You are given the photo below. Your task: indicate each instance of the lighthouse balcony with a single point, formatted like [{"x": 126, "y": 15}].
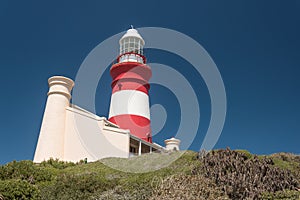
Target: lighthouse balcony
[{"x": 131, "y": 57}]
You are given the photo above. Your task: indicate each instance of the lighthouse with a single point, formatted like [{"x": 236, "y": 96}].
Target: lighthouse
[
  {"x": 71, "y": 133},
  {"x": 129, "y": 106}
]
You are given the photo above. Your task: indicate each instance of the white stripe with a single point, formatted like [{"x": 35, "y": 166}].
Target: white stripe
[{"x": 131, "y": 102}]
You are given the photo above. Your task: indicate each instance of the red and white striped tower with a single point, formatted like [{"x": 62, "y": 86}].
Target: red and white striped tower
[{"x": 129, "y": 106}]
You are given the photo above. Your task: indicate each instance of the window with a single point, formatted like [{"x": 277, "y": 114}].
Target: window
[
  {"x": 132, "y": 149},
  {"x": 131, "y": 44}
]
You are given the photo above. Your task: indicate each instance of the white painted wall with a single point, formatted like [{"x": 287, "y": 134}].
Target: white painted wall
[
  {"x": 51, "y": 138},
  {"x": 72, "y": 133},
  {"x": 87, "y": 136}
]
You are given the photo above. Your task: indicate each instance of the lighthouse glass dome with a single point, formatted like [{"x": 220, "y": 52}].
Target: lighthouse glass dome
[
  {"x": 131, "y": 44},
  {"x": 131, "y": 47}
]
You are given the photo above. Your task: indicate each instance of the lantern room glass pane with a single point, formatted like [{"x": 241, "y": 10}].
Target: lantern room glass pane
[{"x": 131, "y": 44}]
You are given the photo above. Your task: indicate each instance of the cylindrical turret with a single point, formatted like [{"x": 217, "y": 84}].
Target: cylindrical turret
[
  {"x": 172, "y": 144},
  {"x": 51, "y": 139},
  {"x": 129, "y": 107}
]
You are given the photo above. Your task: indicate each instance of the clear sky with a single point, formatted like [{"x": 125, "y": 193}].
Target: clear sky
[{"x": 254, "y": 43}]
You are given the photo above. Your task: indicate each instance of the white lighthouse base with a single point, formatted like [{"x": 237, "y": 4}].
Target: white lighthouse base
[{"x": 70, "y": 133}]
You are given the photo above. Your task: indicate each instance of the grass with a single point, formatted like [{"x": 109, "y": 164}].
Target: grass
[{"x": 116, "y": 178}]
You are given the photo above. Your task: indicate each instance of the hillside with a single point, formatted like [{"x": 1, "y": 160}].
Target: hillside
[{"x": 218, "y": 174}]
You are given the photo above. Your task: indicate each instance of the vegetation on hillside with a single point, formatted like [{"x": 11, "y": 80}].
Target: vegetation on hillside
[{"x": 219, "y": 174}]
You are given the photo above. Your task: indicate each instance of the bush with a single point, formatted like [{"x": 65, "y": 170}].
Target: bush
[
  {"x": 18, "y": 189},
  {"x": 244, "y": 178},
  {"x": 79, "y": 186},
  {"x": 245, "y": 152},
  {"x": 24, "y": 170},
  {"x": 286, "y": 194},
  {"x": 57, "y": 164},
  {"x": 193, "y": 187}
]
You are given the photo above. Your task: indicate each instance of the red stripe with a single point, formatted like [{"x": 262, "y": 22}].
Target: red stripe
[
  {"x": 139, "y": 126},
  {"x": 135, "y": 67},
  {"x": 129, "y": 85},
  {"x": 130, "y": 76}
]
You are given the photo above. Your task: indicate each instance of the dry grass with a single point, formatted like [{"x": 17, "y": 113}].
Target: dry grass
[{"x": 192, "y": 187}]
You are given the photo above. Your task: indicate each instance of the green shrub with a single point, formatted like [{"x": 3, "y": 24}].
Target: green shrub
[
  {"x": 245, "y": 152},
  {"x": 24, "y": 170},
  {"x": 18, "y": 190},
  {"x": 286, "y": 194},
  {"x": 75, "y": 186},
  {"x": 57, "y": 164}
]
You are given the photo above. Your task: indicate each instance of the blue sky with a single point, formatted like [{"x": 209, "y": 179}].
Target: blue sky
[{"x": 255, "y": 45}]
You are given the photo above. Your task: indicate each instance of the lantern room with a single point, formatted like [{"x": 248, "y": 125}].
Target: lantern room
[{"x": 131, "y": 47}]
